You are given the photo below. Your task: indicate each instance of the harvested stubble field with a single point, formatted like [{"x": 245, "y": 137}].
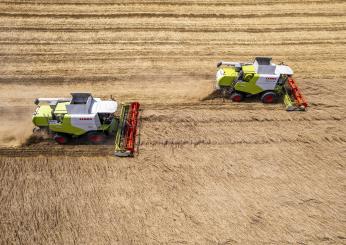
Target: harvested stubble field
[{"x": 208, "y": 172}]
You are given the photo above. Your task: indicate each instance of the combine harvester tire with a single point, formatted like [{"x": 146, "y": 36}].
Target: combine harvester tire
[
  {"x": 61, "y": 139},
  {"x": 269, "y": 97},
  {"x": 237, "y": 97},
  {"x": 96, "y": 138}
]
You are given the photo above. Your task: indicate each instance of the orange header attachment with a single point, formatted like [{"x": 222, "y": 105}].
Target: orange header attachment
[
  {"x": 132, "y": 123},
  {"x": 296, "y": 93}
]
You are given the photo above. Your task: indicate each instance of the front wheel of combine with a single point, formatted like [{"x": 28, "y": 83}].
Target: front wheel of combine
[
  {"x": 61, "y": 139},
  {"x": 96, "y": 138},
  {"x": 269, "y": 97},
  {"x": 237, "y": 97}
]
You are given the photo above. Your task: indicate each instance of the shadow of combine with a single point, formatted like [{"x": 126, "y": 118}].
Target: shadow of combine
[
  {"x": 250, "y": 99},
  {"x": 42, "y": 138},
  {"x": 217, "y": 94}
]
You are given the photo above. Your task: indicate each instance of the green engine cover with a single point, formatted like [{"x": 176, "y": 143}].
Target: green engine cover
[
  {"x": 249, "y": 71},
  {"x": 42, "y": 115},
  {"x": 66, "y": 127},
  {"x": 226, "y": 76}
]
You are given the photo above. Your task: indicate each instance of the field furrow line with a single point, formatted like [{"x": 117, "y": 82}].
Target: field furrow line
[
  {"x": 172, "y": 29},
  {"x": 104, "y": 150},
  {"x": 336, "y": 41},
  {"x": 260, "y": 141},
  {"x": 55, "y": 151},
  {"x": 254, "y": 119},
  {"x": 170, "y": 3},
  {"x": 166, "y": 15}
]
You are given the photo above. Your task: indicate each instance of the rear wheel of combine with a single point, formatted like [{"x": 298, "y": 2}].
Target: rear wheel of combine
[
  {"x": 96, "y": 138},
  {"x": 61, "y": 139},
  {"x": 237, "y": 97},
  {"x": 269, "y": 97}
]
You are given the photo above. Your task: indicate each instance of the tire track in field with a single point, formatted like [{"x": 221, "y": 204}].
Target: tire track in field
[
  {"x": 170, "y": 3},
  {"x": 171, "y": 29},
  {"x": 90, "y": 57},
  {"x": 230, "y": 142},
  {"x": 335, "y": 41},
  {"x": 166, "y": 15},
  {"x": 265, "y": 119},
  {"x": 218, "y": 104},
  {"x": 105, "y": 151},
  {"x": 56, "y": 151}
]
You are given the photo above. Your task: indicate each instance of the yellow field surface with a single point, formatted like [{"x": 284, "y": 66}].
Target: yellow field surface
[{"x": 207, "y": 171}]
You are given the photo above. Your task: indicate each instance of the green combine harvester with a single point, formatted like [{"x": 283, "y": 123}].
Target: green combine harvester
[
  {"x": 237, "y": 80},
  {"x": 88, "y": 119}
]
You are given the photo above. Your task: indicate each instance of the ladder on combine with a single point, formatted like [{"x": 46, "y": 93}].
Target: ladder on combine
[
  {"x": 293, "y": 98},
  {"x": 125, "y": 137}
]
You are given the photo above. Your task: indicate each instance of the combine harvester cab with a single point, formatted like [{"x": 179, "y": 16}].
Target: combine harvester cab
[
  {"x": 238, "y": 80},
  {"x": 88, "y": 119}
]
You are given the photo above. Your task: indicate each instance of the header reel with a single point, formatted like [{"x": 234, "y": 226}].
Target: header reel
[
  {"x": 125, "y": 137},
  {"x": 293, "y": 99}
]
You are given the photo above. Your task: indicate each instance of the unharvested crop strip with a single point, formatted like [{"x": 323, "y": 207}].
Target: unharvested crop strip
[
  {"x": 265, "y": 141},
  {"x": 170, "y": 3},
  {"x": 171, "y": 29},
  {"x": 164, "y": 15},
  {"x": 105, "y": 151},
  {"x": 160, "y": 119},
  {"x": 337, "y": 41}
]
